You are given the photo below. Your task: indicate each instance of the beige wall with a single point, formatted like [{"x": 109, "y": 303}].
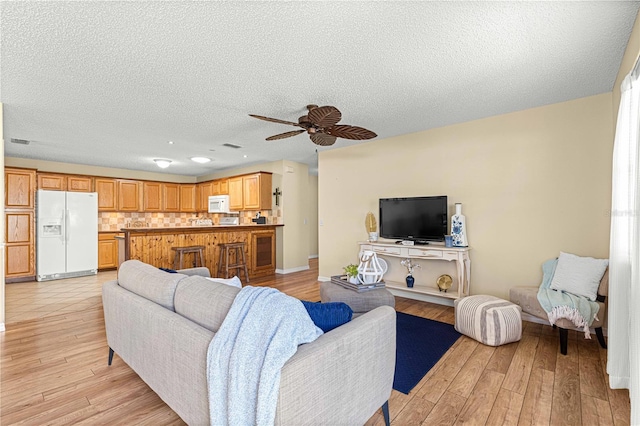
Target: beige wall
[
  {"x": 532, "y": 183},
  {"x": 82, "y": 169},
  {"x": 313, "y": 215},
  {"x": 629, "y": 59}
]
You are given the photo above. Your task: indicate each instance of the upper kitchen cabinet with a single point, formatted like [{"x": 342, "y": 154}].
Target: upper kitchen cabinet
[
  {"x": 204, "y": 190},
  {"x": 79, "y": 184},
  {"x": 128, "y": 195},
  {"x": 152, "y": 196},
  {"x": 220, "y": 187},
  {"x": 256, "y": 191},
  {"x": 188, "y": 198},
  {"x": 19, "y": 189},
  {"x": 52, "y": 182},
  {"x": 235, "y": 193},
  {"x": 107, "y": 190},
  {"x": 171, "y": 197}
]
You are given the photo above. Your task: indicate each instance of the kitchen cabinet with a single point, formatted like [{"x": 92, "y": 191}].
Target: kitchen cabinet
[
  {"x": 263, "y": 251},
  {"x": 152, "y": 196},
  {"x": 256, "y": 191},
  {"x": 107, "y": 190},
  {"x": 20, "y": 245},
  {"x": 220, "y": 187},
  {"x": 52, "y": 182},
  {"x": 107, "y": 250},
  {"x": 19, "y": 188},
  {"x": 170, "y": 197},
  {"x": 128, "y": 195},
  {"x": 204, "y": 191},
  {"x": 188, "y": 198},
  {"x": 79, "y": 184},
  {"x": 235, "y": 193}
]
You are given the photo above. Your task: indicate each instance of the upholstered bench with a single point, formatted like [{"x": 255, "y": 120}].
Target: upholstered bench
[
  {"x": 488, "y": 319},
  {"x": 359, "y": 303}
]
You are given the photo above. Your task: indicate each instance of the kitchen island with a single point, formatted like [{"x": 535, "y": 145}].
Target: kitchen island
[{"x": 153, "y": 245}]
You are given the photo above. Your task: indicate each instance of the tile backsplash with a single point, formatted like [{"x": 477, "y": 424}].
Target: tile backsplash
[{"x": 114, "y": 221}]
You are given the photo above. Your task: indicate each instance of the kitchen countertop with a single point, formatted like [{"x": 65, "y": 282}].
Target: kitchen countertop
[{"x": 192, "y": 228}]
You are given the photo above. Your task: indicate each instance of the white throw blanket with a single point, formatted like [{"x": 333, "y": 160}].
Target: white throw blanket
[
  {"x": 259, "y": 334},
  {"x": 558, "y": 304}
]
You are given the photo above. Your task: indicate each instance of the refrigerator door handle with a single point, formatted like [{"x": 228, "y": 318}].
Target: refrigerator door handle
[{"x": 66, "y": 226}]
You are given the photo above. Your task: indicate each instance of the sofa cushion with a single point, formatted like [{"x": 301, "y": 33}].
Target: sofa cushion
[
  {"x": 579, "y": 275},
  {"x": 204, "y": 302},
  {"x": 328, "y": 316},
  {"x": 149, "y": 282}
]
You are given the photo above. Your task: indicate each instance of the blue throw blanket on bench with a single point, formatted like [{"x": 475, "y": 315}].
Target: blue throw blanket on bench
[{"x": 259, "y": 334}]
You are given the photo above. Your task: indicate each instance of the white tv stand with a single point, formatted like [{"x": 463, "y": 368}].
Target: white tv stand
[{"x": 460, "y": 255}]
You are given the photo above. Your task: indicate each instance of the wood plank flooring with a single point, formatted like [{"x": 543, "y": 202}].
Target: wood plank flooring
[{"x": 53, "y": 370}]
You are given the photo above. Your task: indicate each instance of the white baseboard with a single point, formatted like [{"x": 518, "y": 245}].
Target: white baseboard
[
  {"x": 292, "y": 270},
  {"x": 313, "y": 256},
  {"x": 1, "y": 327},
  {"x": 323, "y": 279}
]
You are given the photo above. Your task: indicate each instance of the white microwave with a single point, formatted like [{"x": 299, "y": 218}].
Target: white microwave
[{"x": 219, "y": 204}]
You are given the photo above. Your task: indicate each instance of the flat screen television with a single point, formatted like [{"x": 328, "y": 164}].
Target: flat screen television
[{"x": 420, "y": 219}]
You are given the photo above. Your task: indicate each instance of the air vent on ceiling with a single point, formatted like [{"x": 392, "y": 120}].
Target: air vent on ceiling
[
  {"x": 230, "y": 145},
  {"x": 20, "y": 141}
]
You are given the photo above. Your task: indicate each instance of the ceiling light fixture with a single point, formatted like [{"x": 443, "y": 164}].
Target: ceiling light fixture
[
  {"x": 163, "y": 164},
  {"x": 170, "y": 142},
  {"x": 200, "y": 160}
]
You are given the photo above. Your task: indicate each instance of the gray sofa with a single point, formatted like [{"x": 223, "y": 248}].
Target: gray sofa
[{"x": 161, "y": 325}]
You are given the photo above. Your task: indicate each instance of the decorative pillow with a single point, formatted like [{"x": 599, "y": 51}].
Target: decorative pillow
[
  {"x": 171, "y": 271},
  {"x": 233, "y": 282},
  {"x": 579, "y": 275},
  {"x": 328, "y": 316}
]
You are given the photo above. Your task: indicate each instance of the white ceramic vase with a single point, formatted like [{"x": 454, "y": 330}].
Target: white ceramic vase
[{"x": 459, "y": 228}]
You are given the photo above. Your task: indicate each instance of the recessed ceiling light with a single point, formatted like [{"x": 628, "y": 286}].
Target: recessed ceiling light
[
  {"x": 170, "y": 142},
  {"x": 245, "y": 156},
  {"x": 163, "y": 164},
  {"x": 200, "y": 159}
]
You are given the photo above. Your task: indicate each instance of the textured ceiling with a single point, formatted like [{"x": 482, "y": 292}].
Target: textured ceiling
[{"x": 109, "y": 83}]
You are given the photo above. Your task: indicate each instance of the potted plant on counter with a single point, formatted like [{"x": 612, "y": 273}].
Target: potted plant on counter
[{"x": 352, "y": 273}]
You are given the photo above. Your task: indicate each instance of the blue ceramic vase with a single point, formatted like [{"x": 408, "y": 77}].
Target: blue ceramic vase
[{"x": 410, "y": 280}]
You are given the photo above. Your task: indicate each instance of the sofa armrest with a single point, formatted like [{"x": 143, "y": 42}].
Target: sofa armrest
[
  {"x": 344, "y": 376},
  {"x": 201, "y": 270}
]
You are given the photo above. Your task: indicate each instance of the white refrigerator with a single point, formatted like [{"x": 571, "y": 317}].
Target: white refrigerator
[{"x": 67, "y": 234}]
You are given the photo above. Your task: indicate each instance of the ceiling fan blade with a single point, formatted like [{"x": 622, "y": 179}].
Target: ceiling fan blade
[
  {"x": 324, "y": 116},
  {"x": 350, "y": 132},
  {"x": 274, "y": 120},
  {"x": 322, "y": 139},
  {"x": 285, "y": 135}
]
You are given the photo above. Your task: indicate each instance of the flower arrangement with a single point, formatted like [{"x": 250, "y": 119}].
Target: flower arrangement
[
  {"x": 409, "y": 265},
  {"x": 371, "y": 226}
]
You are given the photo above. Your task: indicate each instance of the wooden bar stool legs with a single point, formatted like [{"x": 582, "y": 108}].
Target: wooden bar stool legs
[
  {"x": 178, "y": 259},
  {"x": 224, "y": 265}
]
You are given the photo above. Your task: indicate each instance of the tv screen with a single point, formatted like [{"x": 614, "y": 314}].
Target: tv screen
[{"x": 416, "y": 218}]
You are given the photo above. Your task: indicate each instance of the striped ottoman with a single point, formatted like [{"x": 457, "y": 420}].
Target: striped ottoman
[{"x": 488, "y": 319}]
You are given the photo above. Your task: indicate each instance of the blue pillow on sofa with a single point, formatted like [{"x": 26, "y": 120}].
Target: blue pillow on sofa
[{"x": 328, "y": 316}]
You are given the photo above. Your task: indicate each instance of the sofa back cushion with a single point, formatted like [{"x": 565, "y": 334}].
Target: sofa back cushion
[
  {"x": 204, "y": 302},
  {"x": 149, "y": 282}
]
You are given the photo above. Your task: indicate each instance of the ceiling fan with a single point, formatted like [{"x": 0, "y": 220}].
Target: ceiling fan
[{"x": 321, "y": 123}]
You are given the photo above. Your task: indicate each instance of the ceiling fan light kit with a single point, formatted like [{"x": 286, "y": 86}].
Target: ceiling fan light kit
[{"x": 321, "y": 123}]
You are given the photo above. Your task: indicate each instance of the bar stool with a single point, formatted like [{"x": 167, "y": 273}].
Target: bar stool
[
  {"x": 198, "y": 254},
  {"x": 223, "y": 262}
]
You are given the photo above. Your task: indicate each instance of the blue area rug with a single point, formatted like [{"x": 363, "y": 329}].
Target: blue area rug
[{"x": 420, "y": 344}]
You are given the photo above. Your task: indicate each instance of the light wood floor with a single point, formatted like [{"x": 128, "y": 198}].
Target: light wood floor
[{"x": 53, "y": 370}]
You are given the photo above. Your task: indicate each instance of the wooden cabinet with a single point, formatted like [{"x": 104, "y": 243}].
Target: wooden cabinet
[
  {"x": 171, "y": 197},
  {"x": 79, "y": 184},
  {"x": 107, "y": 190},
  {"x": 188, "y": 198},
  {"x": 263, "y": 251},
  {"x": 250, "y": 192},
  {"x": 235, "y": 193},
  {"x": 107, "y": 250},
  {"x": 128, "y": 195},
  {"x": 19, "y": 188},
  {"x": 20, "y": 245},
  {"x": 52, "y": 182},
  {"x": 204, "y": 191},
  {"x": 220, "y": 187},
  {"x": 152, "y": 196}
]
